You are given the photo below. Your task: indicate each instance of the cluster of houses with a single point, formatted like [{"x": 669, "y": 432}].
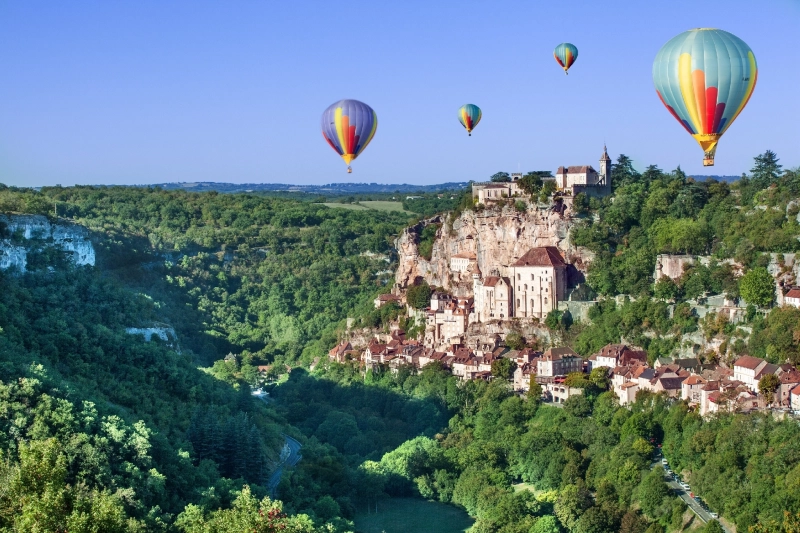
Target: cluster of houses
[
  {"x": 710, "y": 388},
  {"x": 530, "y": 287}
]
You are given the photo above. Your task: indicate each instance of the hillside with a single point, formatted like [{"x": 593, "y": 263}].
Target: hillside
[{"x": 140, "y": 430}]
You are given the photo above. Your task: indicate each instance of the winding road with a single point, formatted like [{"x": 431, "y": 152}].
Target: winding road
[{"x": 684, "y": 495}]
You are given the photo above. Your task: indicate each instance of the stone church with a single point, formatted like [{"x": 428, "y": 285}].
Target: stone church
[{"x": 537, "y": 281}]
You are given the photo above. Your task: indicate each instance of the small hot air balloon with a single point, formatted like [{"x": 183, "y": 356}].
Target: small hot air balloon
[
  {"x": 565, "y": 54},
  {"x": 349, "y": 126},
  {"x": 705, "y": 77},
  {"x": 469, "y": 115}
]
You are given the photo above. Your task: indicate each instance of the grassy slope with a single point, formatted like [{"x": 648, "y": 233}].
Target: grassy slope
[
  {"x": 378, "y": 205},
  {"x": 401, "y": 515}
]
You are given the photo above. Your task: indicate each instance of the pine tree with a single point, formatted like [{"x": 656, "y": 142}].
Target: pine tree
[{"x": 766, "y": 170}]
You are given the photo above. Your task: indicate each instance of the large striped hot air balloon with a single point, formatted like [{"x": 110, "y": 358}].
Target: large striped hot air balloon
[
  {"x": 705, "y": 78},
  {"x": 565, "y": 54},
  {"x": 469, "y": 115},
  {"x": 349, "y": 126}
]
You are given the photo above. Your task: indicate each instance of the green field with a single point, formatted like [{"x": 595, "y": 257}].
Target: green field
[
  {"x": 378, "y": 205},
  {"x": 404, "y": 515},
  {"x": 382, "y": 205},
  {"x": 345, "y": 206}
]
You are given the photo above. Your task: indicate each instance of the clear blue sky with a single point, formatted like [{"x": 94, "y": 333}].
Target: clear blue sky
[{"x": 151, "y": 91}]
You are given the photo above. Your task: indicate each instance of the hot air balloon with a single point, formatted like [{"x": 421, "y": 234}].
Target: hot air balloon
[
  {"x": 565, "y": 54},
  {"x": 469, "y": 115},
  {"x": 349, "y": 126},
  {"x": 705, "y": 77}
]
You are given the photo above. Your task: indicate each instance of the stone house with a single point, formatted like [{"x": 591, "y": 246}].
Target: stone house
[
  {"x": 492, "y": 297},
  {"x": 691, "y": 388},
  {"x": 747, "y": 369},
  {"x": 338, "y": 352},
  {"x": 614, "y": 355},
  {"x": 559, "y": 362},
  {"x": 792, "y": 297},
  {"x": 794, "y": 398}
]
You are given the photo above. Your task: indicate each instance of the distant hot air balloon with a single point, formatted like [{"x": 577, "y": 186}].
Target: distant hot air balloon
[
  {"x": 469, "y": 115},
  {"x": 349, "y": 126},
  {"x": 565, "y": 54},
  {"x": 705, "y": 78}
]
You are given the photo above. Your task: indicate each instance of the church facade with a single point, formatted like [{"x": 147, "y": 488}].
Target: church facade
[{"x": 537, "y": 281}]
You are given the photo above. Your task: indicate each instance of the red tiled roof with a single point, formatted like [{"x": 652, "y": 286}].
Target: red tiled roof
[
  {"x": 796, "y": 391},
  {"x": 749, "y": 362},
  {"x": 792, "y": 376},
  {"x": 554, "y": 354},
  {"x": 793, "y": 293},
  {"x": 541, "y": 256},
  {"x": 694, "y": 380},
  {"x": 491, "y": 281}
]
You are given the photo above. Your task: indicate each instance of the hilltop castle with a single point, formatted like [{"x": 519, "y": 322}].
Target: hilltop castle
[{"x": 569, "y": 180}]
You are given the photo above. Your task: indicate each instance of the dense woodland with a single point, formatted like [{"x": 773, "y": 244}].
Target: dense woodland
[{"x": 102, "y": 431}]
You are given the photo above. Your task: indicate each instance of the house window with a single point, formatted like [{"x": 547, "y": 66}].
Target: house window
[
  {"x": 532, "y": 278},
  {"x": 526, "y": 286},
  {"x": 517, "y": 302},
  {"x": 546, "y": 289},
  {"x": 519, "y": 276},
  {"x": 545, "y": 299},
  {"x": 531, "y": 303}
]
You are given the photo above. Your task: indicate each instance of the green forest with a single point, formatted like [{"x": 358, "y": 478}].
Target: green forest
[{"x": 102, "y": 431}]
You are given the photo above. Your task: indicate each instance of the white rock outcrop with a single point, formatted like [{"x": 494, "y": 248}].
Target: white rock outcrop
[
  {"x": 68, "y": 237},
  {"x": 12, "y": 256},
  {"x": 165, "y": 333}
]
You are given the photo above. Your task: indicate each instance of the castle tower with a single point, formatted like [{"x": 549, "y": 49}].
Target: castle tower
[{"x": 605, "y": 168}]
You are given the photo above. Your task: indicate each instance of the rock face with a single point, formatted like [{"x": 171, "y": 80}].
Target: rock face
[
  {"x": 165, "y": 333},
  {"x": 497, "y": 237},
  {"x": 12, "y": 256},
  {"x": 67, "y": 237}
]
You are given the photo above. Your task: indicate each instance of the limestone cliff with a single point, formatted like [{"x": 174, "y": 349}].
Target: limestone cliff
[
  {"x": 68, "y": 237},
  {"x": 497, "y": 237}
]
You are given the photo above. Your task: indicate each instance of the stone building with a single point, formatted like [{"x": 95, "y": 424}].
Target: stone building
[
  {"x": 540, "y": 282},
  {"x": 492, "y": 296},
  {"x": 585, "y": 178},
  {"x": 537, "y": 282}
]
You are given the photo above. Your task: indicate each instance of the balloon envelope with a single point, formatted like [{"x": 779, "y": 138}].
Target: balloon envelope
[
  {"x": 566, "y": 54},
  {"x": 349, "y": 126},
  {"x": 469, "y": 115},
  {"x": 705, "y": 77}
]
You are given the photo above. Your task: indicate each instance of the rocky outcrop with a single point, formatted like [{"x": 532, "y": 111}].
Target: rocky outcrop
[
  {"x": 12, "y": 256},
  {"x": 68, "y": 237},
  {"x": 165, "y": 333},
  {"x": 497, "y": 237}
]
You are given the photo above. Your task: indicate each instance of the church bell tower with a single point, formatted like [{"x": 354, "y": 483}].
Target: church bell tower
[{"x": 605, "y": 168}]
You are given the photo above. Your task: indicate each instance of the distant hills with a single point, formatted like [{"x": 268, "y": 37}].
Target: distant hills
[
  {"x": 331, "y": 189},
  {"x": 729, "y": 179}
]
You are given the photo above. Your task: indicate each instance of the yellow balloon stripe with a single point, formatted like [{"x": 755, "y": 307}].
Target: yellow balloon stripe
[
  {"x": 339, "y": 131},
  {"x": 687, "y": 90},
  {"x": 751, "y": 84}
]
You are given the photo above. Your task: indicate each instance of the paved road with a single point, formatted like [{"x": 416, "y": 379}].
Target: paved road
[
  {"x": 701, "y": 513},
  {"x": 292, "y": 459}
]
